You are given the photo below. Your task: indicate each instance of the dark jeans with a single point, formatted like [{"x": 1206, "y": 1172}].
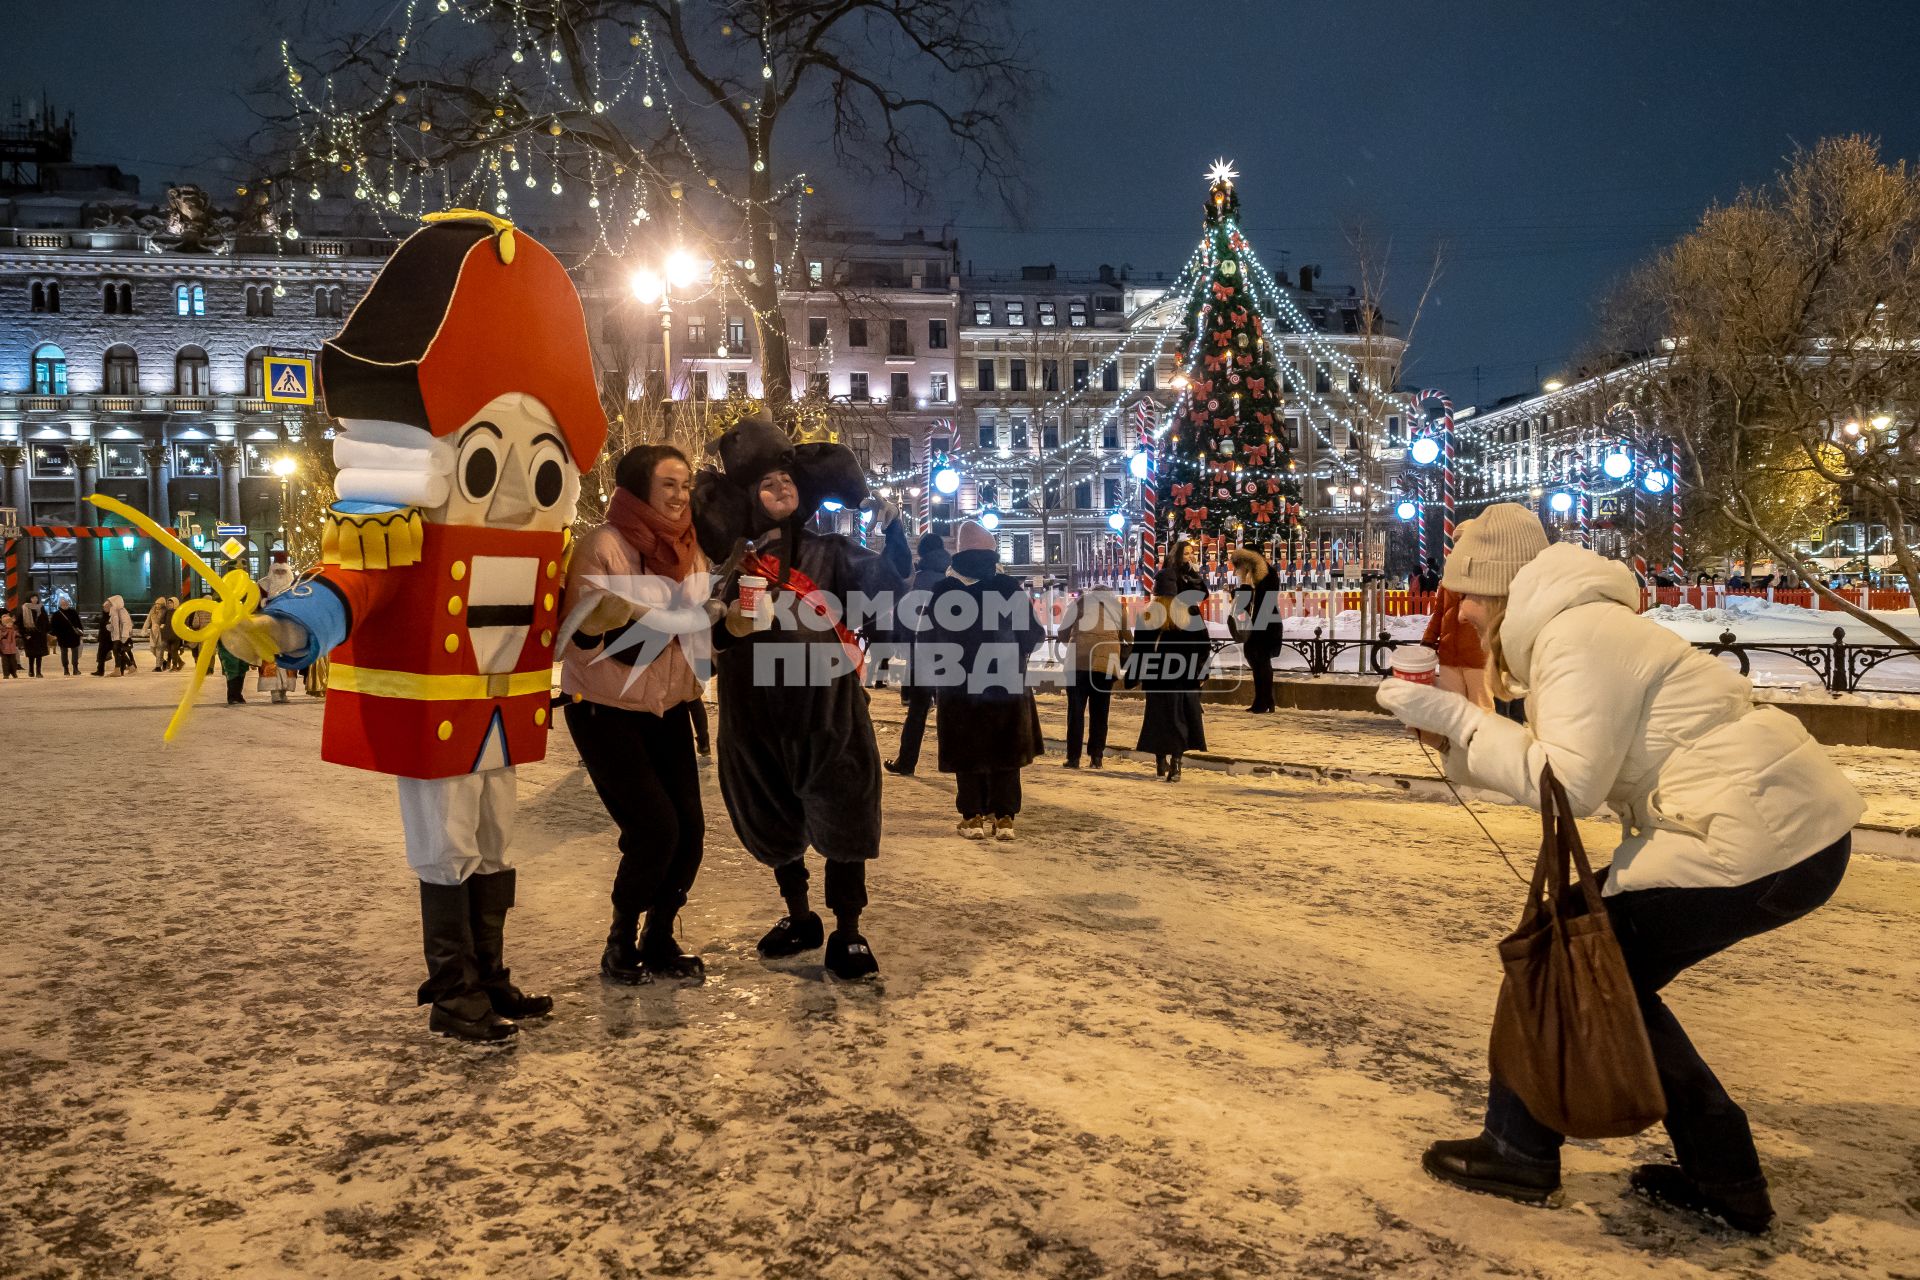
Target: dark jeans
[
  {"x": 643, "y": 766},
  {"x": 33, "y": 663},
  {"x": 1260, "y": 663},
  {"x": 236, "y": 688},
  {"x": 1088, "y": 697},
  {"x": 919, "y": 702},
  {"x": 70, "y": 659},
  {"x": 988, "y": 793},
  {"x": 702, "y": 741},
  {"x": 846, "y": 890},
  {"x": 1663, "y": 932}
]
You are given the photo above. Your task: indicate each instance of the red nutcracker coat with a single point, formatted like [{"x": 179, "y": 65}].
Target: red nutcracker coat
[{"x": 447, "y": 665}]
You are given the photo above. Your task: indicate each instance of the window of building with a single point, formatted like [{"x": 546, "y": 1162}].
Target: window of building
[
  {"x": 190, "y": 372},
  {"x": 1049, "y": 375},
  {"x": 1149, "y": 377},
  {"x": 989, "y": 493},
  {"x": 1021, "y": 439},
  {"x": 696, "y": 333},
  {"x": 1110, "y": 434},
  {"x": 256, "y": 373},
  {"x": 1023, "y": 548},
  {"x": 941, "y": 392},
  {"x": 817, "y": 385},
  {"x": 1353, "y": 382},
  {"x": 43, "y": 296},
  {"x": 194, "y": 460},
  {"x": 1018, "y": 491},
  {"x": 1110, "y": 492},
  {"x": 816, "y": 331},
  {"x": 936, "y": 335},
  {"x": 899, "y": 391},
  {"x": 1393, "y": 428},
  {"x": 856, "y": 333},
  {"x": 985, "y": 381},
  {"x": 736, "y": 336},
  {"x": 49, "y": 461},
  {"x": 1292, "y": 427},
  {"x": 902, "y": 453},
  {"x": 1083, "y": 495},
  {"x": 816, "y": 271},
  {"x": 857, "y": 387},
  {"x": 1082, "y": 375},
  {"x": 122, "y": 461},
  {"x": 259, "y": 300},
  {"x": 1077, "y": 314},
  {"x": 736, "y": 384},
  {"x": 1017, "y": 375},
  {"x": 121, "y": 371},
  {"x": 1322, "y": 383},
  {"x": 1107, "y": 302},
  {"x": 938, "y": 446},
  {"x": 897, "y": 343},
  {"x": 49, "y": 371},
  {"x": 699, "y": 384},
  {"x": 1048, "y": 316},
  {"x": 983, "y": 313},
  {"x": 989, "y": 434},
  {"x": 257, "y": 459},
  {"x": 1055, "y": 548},
  {"x": 1016, "y": 313},
  {"x": 1110, "y": 376},
  {"x": 116, "y": 298},
  {"x": 1050, "y": 495},
  {"x": 189, "y": 299},
  {"x": 1050, "y": 436}
]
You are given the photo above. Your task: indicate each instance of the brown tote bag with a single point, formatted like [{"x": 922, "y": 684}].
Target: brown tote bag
[{"x": 1567, "y": 1034}]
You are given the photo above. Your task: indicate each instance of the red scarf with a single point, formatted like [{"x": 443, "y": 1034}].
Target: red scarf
[{"x": 666, "y": 545}]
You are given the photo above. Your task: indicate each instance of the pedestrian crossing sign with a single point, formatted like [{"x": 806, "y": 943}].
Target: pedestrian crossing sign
[{"x": 288, "y": 379}]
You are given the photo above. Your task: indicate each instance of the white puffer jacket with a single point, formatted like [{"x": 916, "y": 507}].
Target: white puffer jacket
[{"x": 1710, "y": 790}]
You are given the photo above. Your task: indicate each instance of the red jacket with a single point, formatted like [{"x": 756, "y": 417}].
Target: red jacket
[
  {"x": 1457, "y": 642},
  {"x": 440, "y": 650}
]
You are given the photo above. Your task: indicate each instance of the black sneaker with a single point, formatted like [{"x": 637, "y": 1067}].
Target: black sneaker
[
  {"x": 849, "y": 956},
  {"x": 893, "y": 767},
  {"x": 663, "y": 958},
  {"x": 1477, "y": 1165},
  {"x": 790, "y": 936},
  {"x": 1669, "y": 1185}
]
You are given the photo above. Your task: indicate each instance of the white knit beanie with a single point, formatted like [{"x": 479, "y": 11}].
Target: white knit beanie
[{"x": 1490, "y": 548}]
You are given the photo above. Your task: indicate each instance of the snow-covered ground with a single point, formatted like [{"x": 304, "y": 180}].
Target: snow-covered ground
[{"x": 1172, "y": 1031}]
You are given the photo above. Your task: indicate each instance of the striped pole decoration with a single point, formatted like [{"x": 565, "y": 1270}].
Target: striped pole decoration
[
  {"x": 1679, "y": 539},
  {"x": 56, "y": 531},
  {"x": 1144, "y": 417},
  {"x": 13, "y": 573},
  {"x": 1421, "y": 399}
]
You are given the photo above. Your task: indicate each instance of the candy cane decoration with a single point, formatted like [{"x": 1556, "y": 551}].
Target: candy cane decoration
[
  {"x": 1679, "y": 541},
  {"x": 1149, "y": 513},
  {"x": 1421, "y": 400}
]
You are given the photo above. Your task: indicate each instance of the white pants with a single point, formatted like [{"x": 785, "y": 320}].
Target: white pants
[{"x": 458, "y": 826}]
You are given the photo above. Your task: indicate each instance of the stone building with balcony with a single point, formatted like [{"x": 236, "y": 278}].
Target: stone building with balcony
[{"x": 131, "y": 348}]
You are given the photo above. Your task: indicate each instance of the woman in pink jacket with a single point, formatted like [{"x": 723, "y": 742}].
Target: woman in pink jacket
[{"x": 636, "y": 596}]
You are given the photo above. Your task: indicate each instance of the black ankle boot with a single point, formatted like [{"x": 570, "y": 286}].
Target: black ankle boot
[
  {"x": 1173, "y": 769},
  {"x": 1159, "y": 765},
  {"x": 621, "y": 960},
  {"x": 792, "y": 935},
  {"x": 489, "y": 898},
  {"x": 1477, "y": 1165},
  {"x": 460, "y": 1006},
  {"x": 849, "y": 956},
  {"x": 1669, "y": 1185},
  {"x": 662, "y": 955}
]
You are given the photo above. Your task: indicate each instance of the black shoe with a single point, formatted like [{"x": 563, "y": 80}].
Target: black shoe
[
  {"x": 1477, "y": 1165},
  {"x": 489, "y": 898},
  {"x": 663, "y": 957},
  {"x": 621, "y": 962},
  {"x": 1159, "y": 766},
  {"x": 460, "y": 1007},
  {"x": 1093, "y": 762},
  {"x": 790, "y": 936},
  {"x": 1072, "y": 764},
  {"x": 893, "y": 767},
  {"x": 1173, "y": 769},
  {"x": 488, "y": 1028},
  {"x": 849, "y": 956},
  {"x": 1669, "y": 1185}
]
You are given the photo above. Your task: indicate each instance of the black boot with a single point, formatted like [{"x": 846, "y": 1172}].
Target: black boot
[
  {"x": 621, "y": 960},
  {"x": 1669, "y": 1185},
  {"x": 460, "y": 1007},
  {"x": 490, "y": 897},
  {"x": 1159, "y": 765},
  {"x": 849, "y": 956},
  {"x": 897, "y": 769},
  {"x": 1173, "y": 769},
  {"x": 663, "y": 956},
  {"x": 792, "y": 935},
  {"x": 1477, "y": 1165}
]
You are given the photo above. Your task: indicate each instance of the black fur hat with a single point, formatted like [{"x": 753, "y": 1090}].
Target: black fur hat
[{"x": 724, "y": 505}]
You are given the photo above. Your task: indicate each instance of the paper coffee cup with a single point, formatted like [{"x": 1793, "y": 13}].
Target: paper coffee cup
[
  {"x": 1416, "y": 664},
  {"x": 753, "y": 600}
]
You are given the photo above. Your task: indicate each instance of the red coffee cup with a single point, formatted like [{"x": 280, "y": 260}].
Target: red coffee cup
[
  {"x": 753, "y": 599},
  {"x": 1416, "y": 664}
]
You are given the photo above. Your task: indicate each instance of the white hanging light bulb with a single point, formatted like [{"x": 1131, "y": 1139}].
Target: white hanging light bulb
[{"x": 556, "y": 186}]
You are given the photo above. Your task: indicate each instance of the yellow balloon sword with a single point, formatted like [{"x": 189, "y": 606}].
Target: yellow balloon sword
[{"x": 236, "y": 598}]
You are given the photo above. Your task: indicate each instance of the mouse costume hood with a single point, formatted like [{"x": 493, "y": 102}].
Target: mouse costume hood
[{"x": 725, "y": 506}]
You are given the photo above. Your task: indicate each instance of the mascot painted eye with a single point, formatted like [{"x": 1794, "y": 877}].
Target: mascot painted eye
[
  {"x": 548, "y": 478},
  {"x": 480, "y": 462}
]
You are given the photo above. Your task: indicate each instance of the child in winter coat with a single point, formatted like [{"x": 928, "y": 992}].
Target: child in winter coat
[
  {"x": 1734, "y": 822},
  {"x": 1462, "y": 662},
  {"x": 9, "y": 647}
]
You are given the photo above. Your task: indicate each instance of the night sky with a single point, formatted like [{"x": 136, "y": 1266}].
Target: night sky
[{"x": 1549, "y": 146}]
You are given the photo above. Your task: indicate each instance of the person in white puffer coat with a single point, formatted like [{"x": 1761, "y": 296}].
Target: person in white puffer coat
[{"x": 1734, "y": 822}]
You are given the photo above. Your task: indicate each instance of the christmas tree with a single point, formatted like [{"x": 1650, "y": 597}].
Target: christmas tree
[{"x": 1224, "y": 466}]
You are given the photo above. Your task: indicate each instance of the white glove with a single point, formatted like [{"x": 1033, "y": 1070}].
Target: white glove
[
  {"x": 260, "y": 638},
  {"x": 1421, "y": 706}
]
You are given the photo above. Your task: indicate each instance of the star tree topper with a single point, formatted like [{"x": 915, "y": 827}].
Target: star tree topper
[{"x": 1222, "y": 171}]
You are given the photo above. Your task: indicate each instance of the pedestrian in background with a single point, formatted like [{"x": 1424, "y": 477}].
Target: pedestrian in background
[
  {"x": 1462, "y": 662},
  {"x": 1255, "y": 621},
  {"x": 989, "y": 728},
  {"x": 1095, "y": 639},
  {"x": 1168, "y": 660},
  {"x": 911, "y": 624},
  {"x": 69, "y": 629},
  {"x": 9, "y": 647},
  {"x": 35, "y": 632},
  {"x": 157, "y": 615}
]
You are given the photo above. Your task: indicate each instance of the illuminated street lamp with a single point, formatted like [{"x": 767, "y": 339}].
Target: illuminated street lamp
[
  {"x": 946, "y": 481},
  {"x": 989, "y": 520},
  {"x": 1406, "y": 508},
  {"x": 284, "y": 467},
  {"x": 679, "y": 271},
  {"x": 1618, "y": 464},
  {"x": 1561, "y": 502},
  {"x": 1115, "y": 522},
  {"x": 1424, "y": 451}
]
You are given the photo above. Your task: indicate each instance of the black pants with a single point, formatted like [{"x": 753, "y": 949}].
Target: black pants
[
  {"x": 70, "y": 659},
  {"x": 644, "y": 768},
  {"x": 10, "y": 666},
  {"x": 702, "y": 742},
  {"x": 988, "y": 793},
  {"x": 1663, "y": 932},
  {"x": 1088, "y": 698},
  {"x": 237, "y": 688},
  {"x": 1260, "y": 663},
  {"x": 846, "y": 890},
  {"x": 33, "y": 663},
  {"x": 919, "y": 702},
  {"x": 100, "y": 656}
]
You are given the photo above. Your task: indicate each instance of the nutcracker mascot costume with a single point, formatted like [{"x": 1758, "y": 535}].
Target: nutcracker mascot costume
[{"x": 466, "y": 395}]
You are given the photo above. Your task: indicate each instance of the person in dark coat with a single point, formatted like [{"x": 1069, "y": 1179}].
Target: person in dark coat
[
  {"x": 68, "y": 631},
  {"x": 984, "y": 628},
  {"x": 911, "y": 626},
  {"x": 795, "y": 751},
  {"x": 36, "y": 633},
  {"x": 1168, "y": 660},
  {"x": 1255, "y": 621}
]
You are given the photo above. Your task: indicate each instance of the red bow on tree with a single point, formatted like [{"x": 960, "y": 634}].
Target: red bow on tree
[
  {"x": 1245, "y": 361},
  {"x": 1262, "y": 512},
  {"x": 1195, "y": 515},
  {"x": 1198, "y": 413},
  {"x": 1273, "y": 486},
  {"x": 1224, "y": 425},
  {"x": 1214, "y": 363},
  {"x": 1264, "y": 418},
  {"x": 1257, "y": 456},
  {"x": 1223, "y": 291},
  {"x": 1222, "y": 338},
  {"x": 1240, "y": 317},
  {"x": 1180, "y": 492},
  {"x": 1256, "y": 386}
]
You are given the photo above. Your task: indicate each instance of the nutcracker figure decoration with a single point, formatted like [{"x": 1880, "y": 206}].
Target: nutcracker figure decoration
[{"x": 465, "y": 390}]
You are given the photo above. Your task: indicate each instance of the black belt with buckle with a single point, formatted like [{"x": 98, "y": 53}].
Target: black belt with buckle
[{"x": 499, "y": 615}]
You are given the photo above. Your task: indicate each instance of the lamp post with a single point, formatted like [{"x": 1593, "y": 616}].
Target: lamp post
[
  {"x": 650, "y": 286},
  {"x": 284, "y": 466}
]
